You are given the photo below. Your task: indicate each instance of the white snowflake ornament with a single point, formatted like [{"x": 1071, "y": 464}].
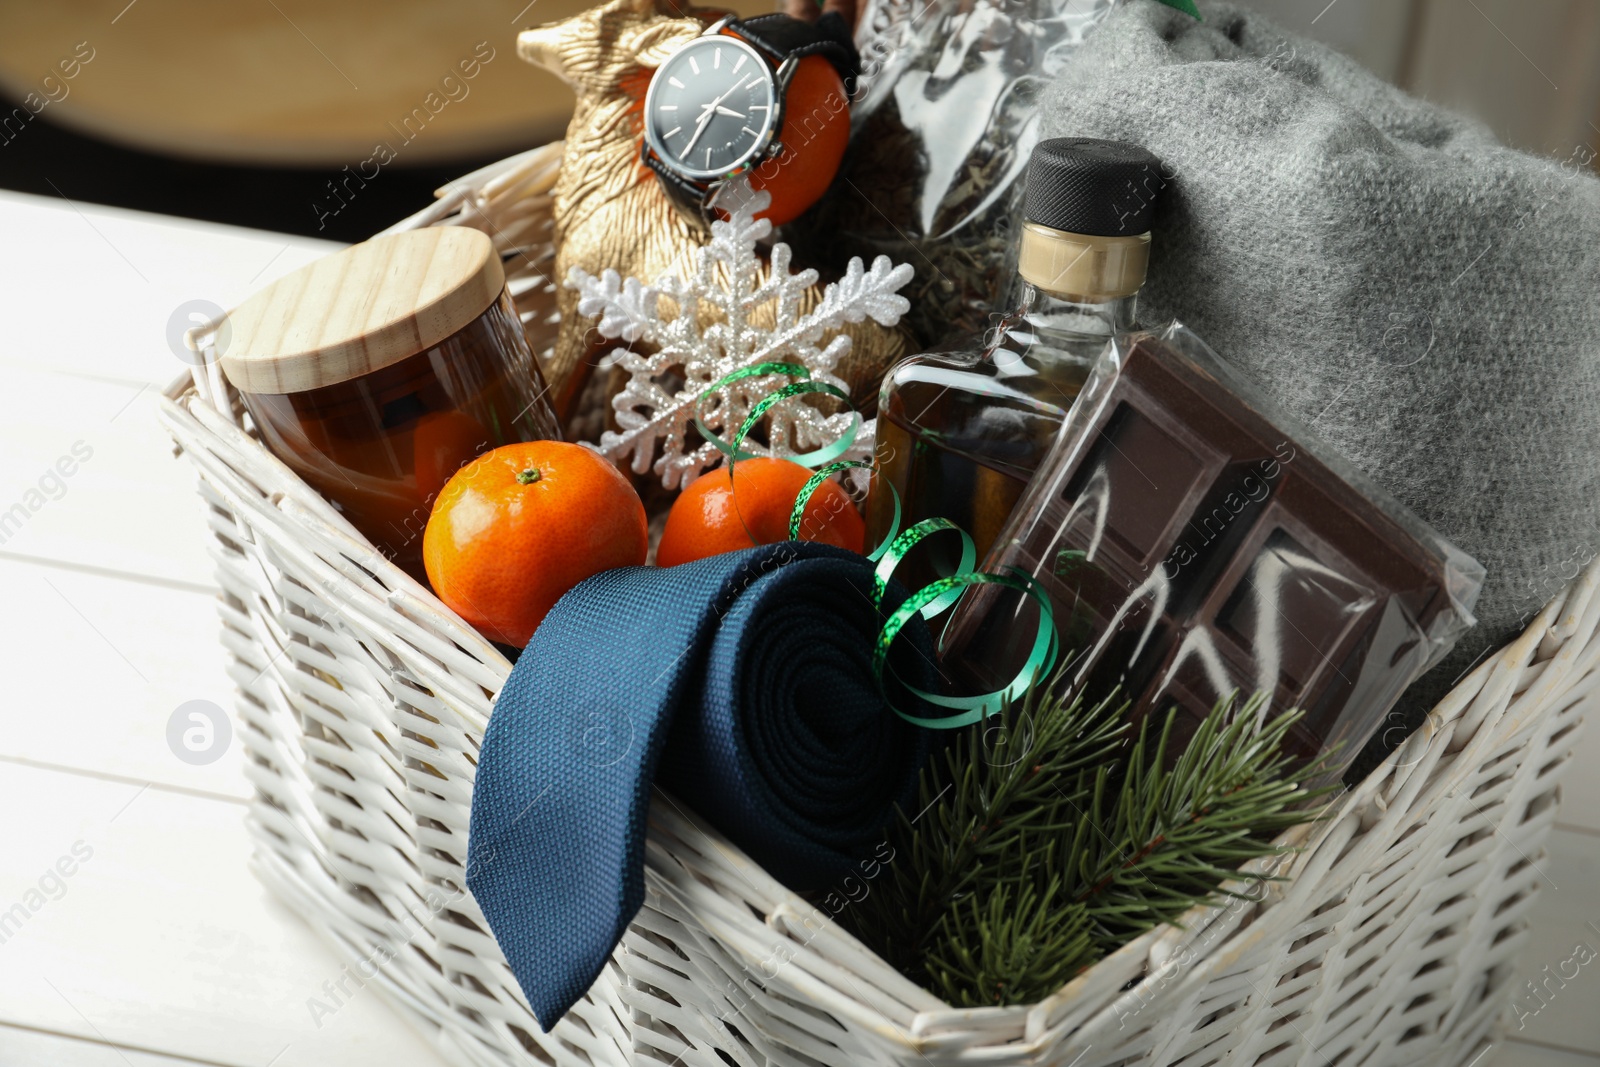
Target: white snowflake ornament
[{"x": 684, "y": 358}]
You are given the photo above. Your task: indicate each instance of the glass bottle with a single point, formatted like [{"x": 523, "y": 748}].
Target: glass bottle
[{"x": 960, "y": 431}]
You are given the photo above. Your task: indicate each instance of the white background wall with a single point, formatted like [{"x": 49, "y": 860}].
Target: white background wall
[{"x": 1529, "y": 68}]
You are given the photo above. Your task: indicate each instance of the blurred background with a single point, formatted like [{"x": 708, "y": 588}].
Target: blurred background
[{"x": 335, "y": 118}]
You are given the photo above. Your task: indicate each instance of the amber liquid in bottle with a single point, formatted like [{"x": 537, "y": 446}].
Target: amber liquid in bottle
[{"x": 961, "y": 432}]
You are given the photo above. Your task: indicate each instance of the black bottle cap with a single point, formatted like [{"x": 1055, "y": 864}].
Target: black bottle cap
[{"x": 1093, "y": 187}]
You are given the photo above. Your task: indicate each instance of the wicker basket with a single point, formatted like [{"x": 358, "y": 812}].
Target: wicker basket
[{"x": 362, "y": 700}]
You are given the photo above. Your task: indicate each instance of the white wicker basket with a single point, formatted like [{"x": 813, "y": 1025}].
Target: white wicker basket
[{"x": 362, "y": 700}]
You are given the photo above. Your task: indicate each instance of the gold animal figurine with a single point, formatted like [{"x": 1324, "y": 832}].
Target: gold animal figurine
[{"x": 609, "y": 208}]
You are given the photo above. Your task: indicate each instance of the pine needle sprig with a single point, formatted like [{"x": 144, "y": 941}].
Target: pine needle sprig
[
  {"x": 1035, "y": 943},
  {"x": 1052, "y": 834},
  {"x": 990, "y": 799},
  {"x": 1164, "y": 838}
]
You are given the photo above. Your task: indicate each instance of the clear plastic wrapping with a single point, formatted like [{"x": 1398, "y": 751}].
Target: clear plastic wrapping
[
  {"x": 945, "y": 118},
  {"x": 1197, "y": 542}
]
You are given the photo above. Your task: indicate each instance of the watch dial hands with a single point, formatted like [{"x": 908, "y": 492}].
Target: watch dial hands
[
  {"x": 729, "y": 112},
  {"x": 736, "y": 87},
  {"x": 699, "y": 128},
  {"x": 707, "y": 111}
]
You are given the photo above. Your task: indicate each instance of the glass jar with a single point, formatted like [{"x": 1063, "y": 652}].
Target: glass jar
[{"x": 377, "y": 373}]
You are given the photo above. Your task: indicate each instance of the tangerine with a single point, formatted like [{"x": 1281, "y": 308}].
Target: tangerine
[
  {"x": 517, "y": 527},
  {"x": 719, "y": 512},
  {"x": 815, "y": 134},
  {"x": 442, "y": 443}
]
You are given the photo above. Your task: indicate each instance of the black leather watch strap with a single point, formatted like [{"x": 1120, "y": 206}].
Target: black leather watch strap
[
  {"x": 687, "y": 194},
  {"x": 781, "y": 36}
]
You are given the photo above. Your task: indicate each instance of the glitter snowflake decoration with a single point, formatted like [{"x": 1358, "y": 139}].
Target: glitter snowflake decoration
[{"x": 708, "y": 333}]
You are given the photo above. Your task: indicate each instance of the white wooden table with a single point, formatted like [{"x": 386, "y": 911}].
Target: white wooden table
[{"x": 159, "y": 948}]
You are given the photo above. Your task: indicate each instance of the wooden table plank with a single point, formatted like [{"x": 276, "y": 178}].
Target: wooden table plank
[
  {"x": 140, "y": 924},
  {"x": 163, "y": 940},
  {"x": 93, "y": 288},
  {"x": 18, "y": 1046},
  {"x": 88, "y": 477},
  {"x": 1555, "y": 993},
  {"x": 98, "y": 670}
]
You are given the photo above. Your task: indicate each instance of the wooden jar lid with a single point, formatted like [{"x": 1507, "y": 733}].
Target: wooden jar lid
[{"x": 360, "y": 310}]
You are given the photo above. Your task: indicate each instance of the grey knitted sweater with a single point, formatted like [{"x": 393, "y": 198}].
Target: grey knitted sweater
[{"x": 1426, "y": 298}]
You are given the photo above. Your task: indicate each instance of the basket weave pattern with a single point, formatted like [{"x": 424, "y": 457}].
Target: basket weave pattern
[{"x": 361, "y": 701}]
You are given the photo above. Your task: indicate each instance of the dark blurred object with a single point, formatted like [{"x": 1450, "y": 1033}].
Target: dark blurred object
[
  {"x": 54, "y": 162},
  {"x": 328, "y": 119},
  {"x": 290, "y": 83}
]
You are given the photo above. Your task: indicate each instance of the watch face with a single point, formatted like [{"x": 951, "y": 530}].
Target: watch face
[{"x": 711, "y": 108}]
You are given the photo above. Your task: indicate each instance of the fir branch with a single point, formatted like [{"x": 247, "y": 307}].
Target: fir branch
[
  {"x": 990, "y": 800},
  {"x": 1162, "y": 839},
  {"x": 1032, "y": 858},
  {"x": 1034, "y": 944}
]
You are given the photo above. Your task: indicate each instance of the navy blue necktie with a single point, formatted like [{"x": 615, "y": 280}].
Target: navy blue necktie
[{"x": 743, "y": 684}]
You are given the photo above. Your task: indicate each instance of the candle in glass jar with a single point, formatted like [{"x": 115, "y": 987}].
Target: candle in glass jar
[{"x": 378, "y": 372}]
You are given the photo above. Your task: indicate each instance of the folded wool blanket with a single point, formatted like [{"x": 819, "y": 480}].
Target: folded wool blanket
[{"x": 1427, "y": 299}]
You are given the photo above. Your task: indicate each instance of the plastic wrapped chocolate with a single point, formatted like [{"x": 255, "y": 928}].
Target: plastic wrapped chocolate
[{"x": 1196, "y": 542}]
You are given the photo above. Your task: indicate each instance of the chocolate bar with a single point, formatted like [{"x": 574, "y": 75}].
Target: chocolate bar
[{"x": 1196, "y": 543}]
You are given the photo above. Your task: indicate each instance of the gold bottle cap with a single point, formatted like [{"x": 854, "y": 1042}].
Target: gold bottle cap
[
  {"x": 1080, "y": 267},
  {"x": 360, "y": 310}
]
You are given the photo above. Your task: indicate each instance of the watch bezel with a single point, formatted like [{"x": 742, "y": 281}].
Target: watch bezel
[{"x": 757, "y": 153}]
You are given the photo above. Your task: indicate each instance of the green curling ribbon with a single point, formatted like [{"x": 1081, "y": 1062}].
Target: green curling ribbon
[
  {"x": 940, "y": 594},
  {"x": 823, "y": 473},
  {"x": 898, "y": 546},
  {"x": 815, "y": 458},
  {"x": 1188, "y": 8},
  {"x": 928, "y": 601},
  {"x": 1046, "y": 646}
]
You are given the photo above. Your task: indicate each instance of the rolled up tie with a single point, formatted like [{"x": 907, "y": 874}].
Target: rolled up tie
[{"x": 743, "y": 683}]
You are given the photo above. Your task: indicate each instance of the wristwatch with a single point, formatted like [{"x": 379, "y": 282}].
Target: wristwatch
[{"x": 715, "y": 108}]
